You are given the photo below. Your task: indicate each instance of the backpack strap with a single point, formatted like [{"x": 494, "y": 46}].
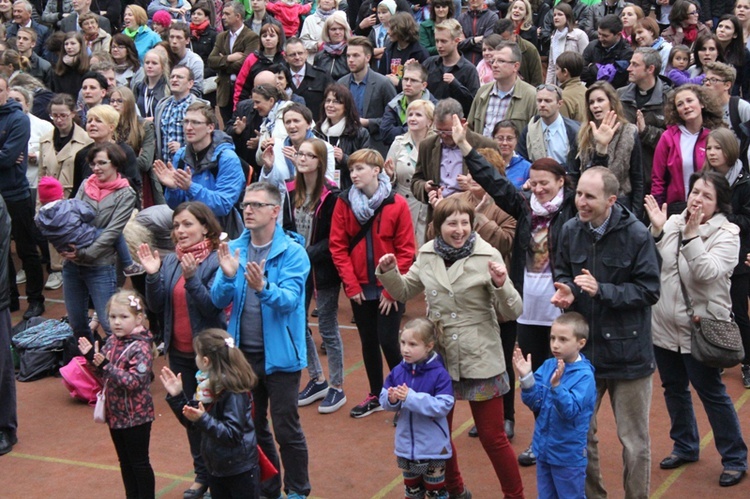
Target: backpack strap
[{"x": 734, "y": 116}]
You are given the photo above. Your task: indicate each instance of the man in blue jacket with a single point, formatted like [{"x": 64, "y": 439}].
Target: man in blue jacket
[
  {"x": 268, "y": 322},
  {"x": 14, "y": 141},
  {"x": 8, "y": 416}
]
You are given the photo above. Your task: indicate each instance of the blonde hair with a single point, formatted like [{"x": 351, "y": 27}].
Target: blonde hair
[
  {"x": 139, "y": 14},
  {"x": 129, "y": 299},
  {"x": 452, "y": 26},
  {"x": 128, "y": 128},
  {"x": 425, "y": 105},
  {"x": 106, "y": 113},
  {"x": 369, "y": 157},
  {"x": 338, "y": 17},
  {"x": 422, "y": 329},
  {"x": 526, "y": 18}
]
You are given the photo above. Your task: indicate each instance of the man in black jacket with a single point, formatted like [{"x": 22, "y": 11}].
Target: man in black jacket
[
  {"x": 8, "y": 417},
  {"x": 606, "y": 267},
  {"x": 307, "y": 82},
  {"x": 611, "y": 51}
]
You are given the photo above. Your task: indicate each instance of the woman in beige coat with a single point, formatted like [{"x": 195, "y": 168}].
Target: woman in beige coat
[
  {"x": 466, "y": 285},
  {"x": 700, "y": 247},
  {"x": 57, "y": 152}
]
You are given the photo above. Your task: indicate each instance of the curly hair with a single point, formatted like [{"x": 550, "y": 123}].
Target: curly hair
[{"x": 712, "y": 112}]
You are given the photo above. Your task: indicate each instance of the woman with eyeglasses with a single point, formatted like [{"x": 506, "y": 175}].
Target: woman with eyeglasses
[
  {"x": 139, "y": 134},
  {"x": 684, "y": 26},
  {"x": 517, "y": 167},
  {"x": 155, "y": 86},
  {"x": 729, "y": 33},
  {"x": 691, "y": 113},
  {"x": 313, "y": 198},
  {"x": 125, "y": 56},
  {"x": 331, "y": 58},
  {"x": 178, "y": 289},
  {"x": 565, "y": 37},
  {"x": 341, "y": 128},
  {"x": 607, "y": 139}
]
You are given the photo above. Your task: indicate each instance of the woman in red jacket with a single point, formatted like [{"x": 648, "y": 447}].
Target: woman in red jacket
[
  {"x": 690, "y": 115},
  {"x": 369, "y": 221}
]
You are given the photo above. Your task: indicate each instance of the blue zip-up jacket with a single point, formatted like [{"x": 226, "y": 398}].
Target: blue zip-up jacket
[
  {"x": 159, "y": 294},
  {"x": 282, "y": 301},
  {"x": 564, "y": 412},
  {"x": 218, "y": 179},
  {"x": 422, "y": 429},
  {"x": 15, "y": 131}
]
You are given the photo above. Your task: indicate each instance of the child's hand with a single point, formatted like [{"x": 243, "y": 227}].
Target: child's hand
[
  {"x": 523, "y": 366},
  {"x": 554, "y": 381},
  {"x": 193, "y": 414},
  {"x": 84, "y": 345},
  {"x": 401, "y": 392},
  {"x": 392, "y": 398},
  {"x": 98, "y": 356},
  {"x": 172, "y": 383}
]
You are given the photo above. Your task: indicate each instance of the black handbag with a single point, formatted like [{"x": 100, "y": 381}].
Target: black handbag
[{"x": 715, "y": 343}]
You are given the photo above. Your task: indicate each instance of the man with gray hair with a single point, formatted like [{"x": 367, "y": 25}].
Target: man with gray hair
[
  {"x": 81, "y": 7},
  {"x": 441, "y": 169},
  {"x": 22, "y": 11},
  {"x": 643, "y": 102}
]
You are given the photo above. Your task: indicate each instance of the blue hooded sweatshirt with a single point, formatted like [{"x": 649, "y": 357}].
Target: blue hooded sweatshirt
[{"x": 15, "y": 131}]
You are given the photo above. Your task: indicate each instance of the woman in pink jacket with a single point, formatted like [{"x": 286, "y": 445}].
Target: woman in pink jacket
[{"x": 690, "y": 115}]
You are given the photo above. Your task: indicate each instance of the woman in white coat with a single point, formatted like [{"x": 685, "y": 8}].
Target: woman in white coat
[
  {"x": 312, "y": 29},
  {"x": 565, "y": 38}
]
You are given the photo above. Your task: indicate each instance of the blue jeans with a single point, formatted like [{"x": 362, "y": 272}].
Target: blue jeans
[
  {"x": 327, "y": 301},
  {"x": 678, "y": 371},
  {"x": 81, "y": 282},
  {"x": 566, "y": 482}
]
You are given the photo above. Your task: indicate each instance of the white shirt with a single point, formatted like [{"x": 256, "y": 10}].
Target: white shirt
[{"x": 233, "y": 37}]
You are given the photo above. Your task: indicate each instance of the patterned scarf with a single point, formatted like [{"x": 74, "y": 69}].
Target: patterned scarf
[
  {"x": 203, "y": 391},
  {"x": 196, "y": 30},
  {"x": 541, "y": 213},
  {"x": 334, "y": 48},
  {"x": 97, "y": 190},
  {"x": 451, "y": 254},
  {"x": 324, "y": 14},
  {"x": 364, "y": 207},
  {"x": 199, "y": 250}
]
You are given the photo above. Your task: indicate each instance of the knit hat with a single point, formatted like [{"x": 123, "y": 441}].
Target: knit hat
[
  {"x": 49, "y": 189},
  {"x": 389, "y": 4},
  {"x": 163, "y": 18}
]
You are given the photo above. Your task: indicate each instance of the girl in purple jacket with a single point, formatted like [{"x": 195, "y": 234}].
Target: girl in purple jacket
[{"x": 124, "y": 364}]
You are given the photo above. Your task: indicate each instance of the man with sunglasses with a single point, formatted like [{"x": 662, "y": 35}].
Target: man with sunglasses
[{"x": 550, "y": 134}]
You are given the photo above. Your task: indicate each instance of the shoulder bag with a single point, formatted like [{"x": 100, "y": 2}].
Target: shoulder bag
[{"x": 100, "y": 407}]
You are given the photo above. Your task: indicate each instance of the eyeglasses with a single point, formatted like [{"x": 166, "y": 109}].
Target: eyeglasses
[
  {"x": 101, "y": 162},
  {"x": 444, "y": 133},
  {"x": 116, "y": 101},
  {"x": 502, "y": 61},
  {"x": 254, "y": 205},
  {"x": 696, "y": 12},
  {"x": 332, "y": 101},
  {"x": 63, "y": 116},
  {"x": 193, "y": 122},
  {"x": 551, "y": 88},
  {"x": 713, "y": 81},
  {"x": 307, "y": 155},
  {"x": 507, "y": 139}
]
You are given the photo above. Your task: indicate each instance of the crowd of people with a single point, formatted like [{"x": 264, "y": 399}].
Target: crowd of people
[{"x": 565, "y": 182}]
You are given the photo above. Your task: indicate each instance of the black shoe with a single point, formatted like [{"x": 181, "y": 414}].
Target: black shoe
[
  {"x": 7, "y": 443},
  {"x": 195, "y": 493},
  {"x": 746, "y": 375},
  {"x": 474, "y": 433},
  {"x": 15, "y": 306},
  {"x": 35, "y": 310},
  {"x": 510, "y": 428},
  {"x": 729, "y": 478},
  {"x": 314, "y": 313},
  {"x": 527, "y": 457},
  {"x": 671, "y": 462}
]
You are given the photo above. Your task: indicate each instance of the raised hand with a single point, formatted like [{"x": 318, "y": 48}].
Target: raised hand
[
  {"x": 193, "y": 414},
  {"x": 151, "y": 261},
  {"x": 434, "y": 196},
  {"x": 189, "y": 265},
  {"x": 84, "y": 345},
  {"x": 183, "y": 178},
  {"x": 172, "y": 383},
  {"x": 587, "y": 282},
  {"x": 239, "y": 125},
  {"x": 254, "y": 275},
  {"x": 484, "y": 204},
  {"x": 554, "y": 380},
  {"x": 498, "y": 272},
  {"x": 389, "y": 167},
  {"x": 387, "y": 262},
  {"x": 657, "y": 215},
  {"x": 563, "y": 297},
  {"x": 229, "y": 263},
  {"x": 267, "y": 157},
  {"x": 459, "y": 130},
  {"x": 98, "y": 356},
  {"x": 252, "y": 143},
  {"x": 165, "y": 173},
  {"x": 604, "y": 133},
  {"x": 640, "y": 121},
  {"x": 522, "y": 365},
  {"x": 693, "y": 223}
]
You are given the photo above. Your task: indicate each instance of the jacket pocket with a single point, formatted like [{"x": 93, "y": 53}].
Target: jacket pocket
[
  {"x": 621, "y": 345},
  {"x": 616, "y": 267}
]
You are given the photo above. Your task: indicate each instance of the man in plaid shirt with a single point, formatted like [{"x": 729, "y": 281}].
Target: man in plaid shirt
[{"x": 170, "y": 112}]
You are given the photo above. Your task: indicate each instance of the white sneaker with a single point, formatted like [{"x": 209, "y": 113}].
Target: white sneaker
[
  {"x": 54, "y": 281},
  {"x": 21, "y": 277}
]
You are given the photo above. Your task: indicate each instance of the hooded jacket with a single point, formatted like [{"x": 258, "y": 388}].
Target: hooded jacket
[
  {"x": 128, "y": 378},
  {"x": 422, "y": 431},
  {"x": 282, "y": 301},
  {"x": 564, "y": 412},
  {"x": 15, "y": 130},
  {"x": 475, "y": 23},
  {"x": 626, "y": 265},
  {"x": 218, "y": 178},
  {"x": 66, "y": 222},
  {"x": 666, "y": 177},
  {"x": 618, "y": 55}
]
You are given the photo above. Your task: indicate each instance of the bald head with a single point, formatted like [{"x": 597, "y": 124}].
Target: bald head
[{"x": 265, "y": 77}]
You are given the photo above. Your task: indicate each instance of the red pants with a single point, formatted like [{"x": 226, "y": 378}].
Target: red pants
[{"x": 488, "y": 417}]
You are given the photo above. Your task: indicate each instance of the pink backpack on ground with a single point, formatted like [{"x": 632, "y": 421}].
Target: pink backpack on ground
[{"x": 80, "y": 381}]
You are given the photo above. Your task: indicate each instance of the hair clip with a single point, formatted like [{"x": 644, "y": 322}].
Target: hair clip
[
  {"x": 135, "y": 302},
  {"x": 229, "y": 342}
]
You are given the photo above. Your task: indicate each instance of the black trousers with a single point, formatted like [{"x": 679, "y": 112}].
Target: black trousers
[
  {"x": 376, "y": 332},
  {"x": 131, "y": 445},
  {"x": 23, "y": 231},
  {"x": 243, "y": 486}
]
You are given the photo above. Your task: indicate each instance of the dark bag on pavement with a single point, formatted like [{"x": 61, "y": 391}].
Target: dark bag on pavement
[{"x": 40, "y": 349}]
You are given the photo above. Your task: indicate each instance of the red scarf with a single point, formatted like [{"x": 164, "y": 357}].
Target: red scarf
[
  {"x": 97, "y": 190},
  {"x": 196, "y": 30},
  {"x": 690, "y": 32},
  {"x": 199, "y": 250}
]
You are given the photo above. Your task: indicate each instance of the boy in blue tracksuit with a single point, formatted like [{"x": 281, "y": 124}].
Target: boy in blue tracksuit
[
  {"x": 421, "y": 388},
  {"x": 563, "y": 392}
]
